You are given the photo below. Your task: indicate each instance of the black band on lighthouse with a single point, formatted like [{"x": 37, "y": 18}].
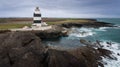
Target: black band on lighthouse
[
  {"x": 37, "y": 15},
  {"x": 37, "y": 21}
]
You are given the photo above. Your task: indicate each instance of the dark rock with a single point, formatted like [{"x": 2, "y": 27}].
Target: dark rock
[
  {"x": 54, "y": 33},
  {"x": 118, "y": 54},
  {"x": 106, "y": 53},
  {"x": 57, "y": 58},
  {"x": 68, "y": 25},
  {"x": 19, "y": 49},
  {"x": 94, "y": 24},
  {"x": 100, "y": 64},
  {"x": 48, "y": 34},
  {"x": 4, "y": 31},
  {"x": 24, "y": 49},
  {"x": 87, "y": 56}
]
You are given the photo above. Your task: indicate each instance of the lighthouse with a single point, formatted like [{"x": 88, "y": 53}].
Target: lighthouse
[
  {"x": 38, "y": 24},
  {"x": 37, "y": 17}
]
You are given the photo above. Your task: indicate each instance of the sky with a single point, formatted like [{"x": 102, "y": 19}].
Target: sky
[{"x": 61, "y": 8}]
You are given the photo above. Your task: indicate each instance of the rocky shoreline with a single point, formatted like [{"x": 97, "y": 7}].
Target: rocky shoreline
[
  {"x": 25, "y": 49},
  {"x": 94, "y": 24},
  {"x": 60, "y": 30}
]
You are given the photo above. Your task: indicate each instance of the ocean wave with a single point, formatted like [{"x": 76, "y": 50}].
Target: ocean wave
[
  {"x": 84, "y": 32},
  {"x": 103, "y": 28},
  {"x": 81, "y": 32},
  {"x": 115, "y": 48},
  {"x": 106, "y": 28},
  {"x": 117, "y": 27}
]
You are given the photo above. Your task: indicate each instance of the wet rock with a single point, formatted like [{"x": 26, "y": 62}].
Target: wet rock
[
  {"x": 106, "y": 53},
  {"x": 118, "y": 54},
  {"x": 100, "y": 64}
]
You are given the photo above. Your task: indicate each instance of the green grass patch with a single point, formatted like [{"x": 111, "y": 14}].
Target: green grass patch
[
  {"x": 12, "y": 26},
  {"x": 8, "y": 25},
  {"x": 70, "y": 21}
]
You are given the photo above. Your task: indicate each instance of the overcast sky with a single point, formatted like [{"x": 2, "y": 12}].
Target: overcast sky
[{"x": 61, "y": 8}]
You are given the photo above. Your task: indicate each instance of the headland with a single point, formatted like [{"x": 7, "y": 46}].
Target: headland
[{"x": 25, "y": 48}]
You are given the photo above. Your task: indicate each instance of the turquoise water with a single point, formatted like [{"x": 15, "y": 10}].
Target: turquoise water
[
  {"x": 110, "y": 20},
  {"x": 104, "y": 34},
  {"x": 111, "y": 34}
]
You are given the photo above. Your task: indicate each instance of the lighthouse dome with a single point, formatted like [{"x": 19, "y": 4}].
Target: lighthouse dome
[{"x": 37, "y": 10}]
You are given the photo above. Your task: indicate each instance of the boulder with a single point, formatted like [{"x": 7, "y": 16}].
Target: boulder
[
  {"x": 87, "y": 56},
  {"x": 57, "y": 58},
  {"x": 20, "y": 49},
  {"x": 90, "y": 56}
]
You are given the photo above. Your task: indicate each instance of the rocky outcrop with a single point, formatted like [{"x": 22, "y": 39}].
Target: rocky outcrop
[
  {"x": 54, "y": 33},
  {"x": 57, "y": 58},
  {"x": 20, "y": 49},
  {"x": 48, "y": 34},
  {"x": 89, "y": 56},
  {"x": 98, "y": 24},
  {"x": 4, "y": 31},
  {"x": 24, "y": 49},
  {"x": 68, "y": 25},
  {"x": 94, "y": 24}
]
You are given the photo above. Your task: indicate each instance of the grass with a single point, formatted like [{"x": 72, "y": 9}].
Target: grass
[
  {"x": 12, "y": 26},
  {"x": 50, "y": 21},
  {"x": 69, "y": 21}
]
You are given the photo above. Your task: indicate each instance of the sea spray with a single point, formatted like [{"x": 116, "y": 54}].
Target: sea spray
[
  {"x": 84, "y": 32},
  {"x": 105, "y": 34},
  {"x": 81, "y": 32},
  {"x": 115, "y": 48}
]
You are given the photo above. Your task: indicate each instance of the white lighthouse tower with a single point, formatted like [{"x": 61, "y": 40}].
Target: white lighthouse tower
[
  {"x": 37, "y": 17},
  {"x": 37, "y": 23}
]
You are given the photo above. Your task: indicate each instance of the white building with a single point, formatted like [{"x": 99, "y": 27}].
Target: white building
[{"x": 37, "y": 19}]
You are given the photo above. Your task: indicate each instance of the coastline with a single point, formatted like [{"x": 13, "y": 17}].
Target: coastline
[
  {"x": 23, "y": 48},
  {"x": 26, "y": 47}
]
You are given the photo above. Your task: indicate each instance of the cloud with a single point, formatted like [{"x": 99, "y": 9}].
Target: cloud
[{"x": 61, "y": 8}]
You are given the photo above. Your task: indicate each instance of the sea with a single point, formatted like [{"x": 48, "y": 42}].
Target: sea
[{"x": 103, "y": 34}]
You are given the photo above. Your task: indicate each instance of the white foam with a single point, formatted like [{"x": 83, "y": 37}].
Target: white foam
[
  {"x": 84, "y": 32},
  {"x": 115, "y": 49},
  {"x": 81, "y": 32},
  {"x": 103, "y": 28},
  {"x": 118, "y": 27}
]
